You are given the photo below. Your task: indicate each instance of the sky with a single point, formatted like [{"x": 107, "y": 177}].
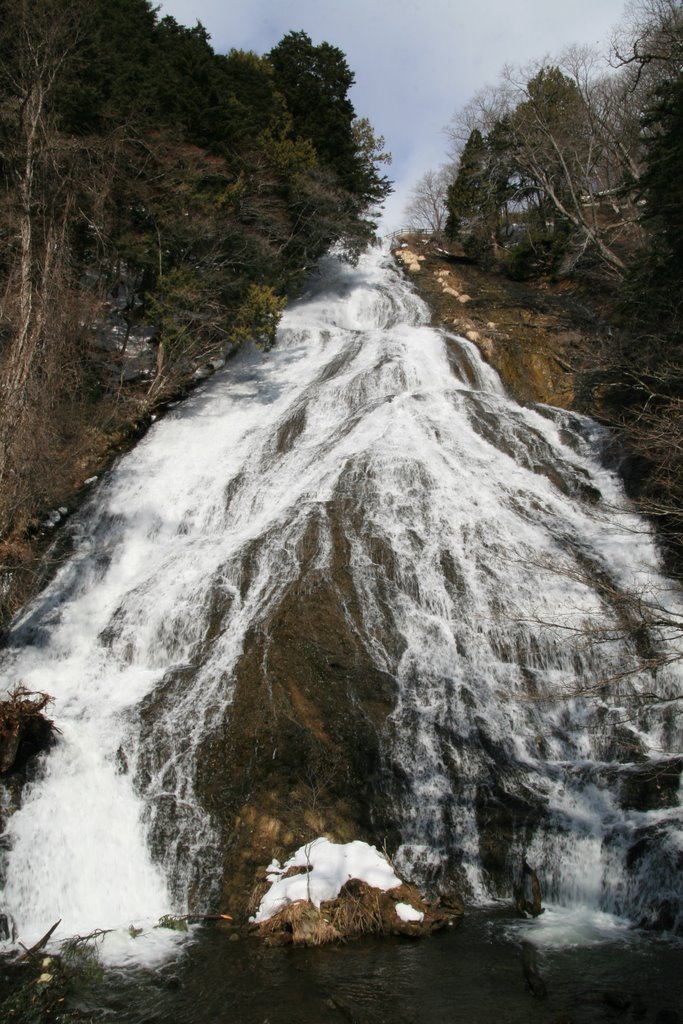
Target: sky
[{"x": 416, "y": 61}]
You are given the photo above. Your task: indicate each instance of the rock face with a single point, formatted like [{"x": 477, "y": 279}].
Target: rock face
[
  {"x": 301, "y": 751},
  {"x": 410, "y": 259},
  {"x": 24, "y": 731},
  {"x": 536, "y": 337}
]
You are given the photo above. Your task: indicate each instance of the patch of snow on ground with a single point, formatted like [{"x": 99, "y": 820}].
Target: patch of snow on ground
[
  {"x": 330, "y": 865},
  {"x": 408, "y": 913}
]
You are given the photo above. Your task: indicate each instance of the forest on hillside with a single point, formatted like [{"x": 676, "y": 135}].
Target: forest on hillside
[
  {"x": 158, "y": 196},
  {"x": 572, "y": 169}
]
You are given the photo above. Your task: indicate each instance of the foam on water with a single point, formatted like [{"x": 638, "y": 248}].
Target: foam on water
[{"x": 559, "y": 927}]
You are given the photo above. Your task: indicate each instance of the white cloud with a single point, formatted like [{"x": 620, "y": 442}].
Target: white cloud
[{"x": 415, "y": 61}]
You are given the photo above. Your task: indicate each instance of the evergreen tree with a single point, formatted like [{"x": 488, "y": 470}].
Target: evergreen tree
[
  {"x": 476, "y": 198},
  {"x": 315, "y": 82},
  {"x": 662, "y": 181},
  {"x": 129, "y": 148},
  {"x": 653, "y": 291}
]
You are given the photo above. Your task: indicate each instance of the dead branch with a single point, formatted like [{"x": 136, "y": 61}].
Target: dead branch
[{"x": 37, "y": 946}]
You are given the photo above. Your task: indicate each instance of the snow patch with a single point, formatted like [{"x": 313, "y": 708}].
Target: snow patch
[
  {"x": 328, "y": 867},
  {"x": 408, "y": 913}
]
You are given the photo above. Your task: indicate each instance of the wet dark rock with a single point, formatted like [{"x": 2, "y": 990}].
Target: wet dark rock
[
  {"x": 528, "y": 886},
  {"x": 663, "y": 918},
  {"x": 588, "y": 493},
  {"x": 531, "y": 971},
  {"x": 7, "y": 928},
  {"x": 9, "y": 746},
  {"x": 646, "y": 841},
  {"x": 668, "y": 1017},
  {"x": 300, "y": 751},
  {"x": 534, "y": 905},
  {"x": 651, "y": 785},
  {"x": 24, "y": 728},
  {"x": 290, "y": 429},
  {"x": 507, "y": 817},
  {"x": 618, "y": 743}
]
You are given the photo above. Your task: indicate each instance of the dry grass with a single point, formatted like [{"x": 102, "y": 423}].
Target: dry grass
[
  {"x": 358, "y": 910},
  {"x": 300, "y": 923}
]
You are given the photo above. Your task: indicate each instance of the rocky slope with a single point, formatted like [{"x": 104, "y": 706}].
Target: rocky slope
[{"x": 540, "y": 336}]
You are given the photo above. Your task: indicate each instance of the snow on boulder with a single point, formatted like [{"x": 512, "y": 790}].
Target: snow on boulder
[
  {"x": 327, "y": 867},
  {"x": 408, "y": 913},
  {"x": 330, "y": 891}
]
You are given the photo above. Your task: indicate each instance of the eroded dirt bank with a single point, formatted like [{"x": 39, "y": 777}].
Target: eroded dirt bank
[{"x": 540, "y": 336}]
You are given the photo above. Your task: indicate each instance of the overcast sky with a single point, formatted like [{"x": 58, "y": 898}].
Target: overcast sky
[{"x": 415, "y": 61}]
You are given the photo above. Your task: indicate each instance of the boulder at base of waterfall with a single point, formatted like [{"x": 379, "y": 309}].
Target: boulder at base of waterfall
[
  {"x": 24, "y": 728},
  {"x": 309, "y": 903},
  {"x": 524, "y": 905},
  {"x": 359, "y": 909}
]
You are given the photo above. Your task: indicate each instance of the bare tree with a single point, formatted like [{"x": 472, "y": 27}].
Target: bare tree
[
  {"x": 561, "y": 141},
  {"x": 427, "y": 210},
  {"x": 570, "y": 130},
  {"x": 41, "y": 175},
  {"x": 649, "y": 43},
  {"x": 487, "y": 108}
]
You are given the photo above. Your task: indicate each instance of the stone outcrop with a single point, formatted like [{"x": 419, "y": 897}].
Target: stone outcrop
[
  {"x": 410, "y": 259},
  {"x": 537, "y": 335},
  {"x": 291, "y": 762},
  {"x": 359, "y": 909}
]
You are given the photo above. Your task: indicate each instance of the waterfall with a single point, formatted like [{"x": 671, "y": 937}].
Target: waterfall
[{"x": 479, "y": 541}]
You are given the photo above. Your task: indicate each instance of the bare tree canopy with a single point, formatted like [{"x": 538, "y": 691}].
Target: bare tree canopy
[
  {"x": 560, "y": 146},
  {"x": 427, "y": 210}
]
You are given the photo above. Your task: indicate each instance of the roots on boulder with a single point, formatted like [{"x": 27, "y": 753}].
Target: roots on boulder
[{"x": 24, "y": 727}]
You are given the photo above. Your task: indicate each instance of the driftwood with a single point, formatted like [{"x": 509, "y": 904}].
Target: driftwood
[
  {"x": 37, "y": 946},
  {"x": 524, "y": 906},
  {"x": 536, "y": 907}
]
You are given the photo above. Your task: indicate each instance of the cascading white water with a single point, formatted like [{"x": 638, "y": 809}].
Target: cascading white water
[{"x": 454, "y": 500}]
